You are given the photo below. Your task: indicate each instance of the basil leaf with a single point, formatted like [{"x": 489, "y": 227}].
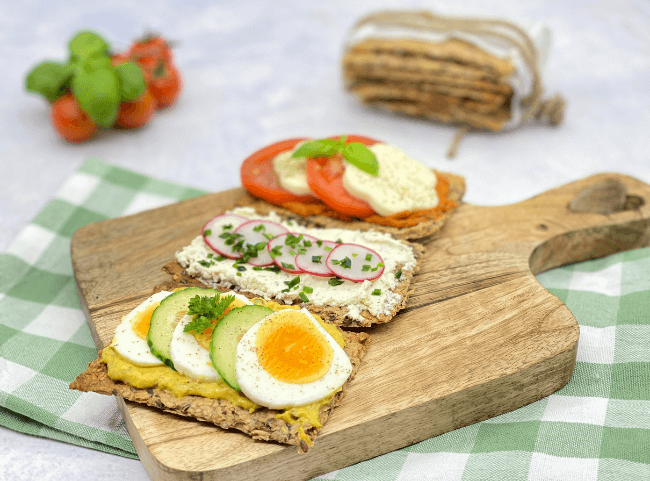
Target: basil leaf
[
  {"x": 131, "y": 80},
  {"x": 83, "y": 44},
  {"x": 98, "y": 94},
  {"x": 361, "y": 157},
  {"x": 50, "y": 79},
  {"x": 318, "y": 148}
]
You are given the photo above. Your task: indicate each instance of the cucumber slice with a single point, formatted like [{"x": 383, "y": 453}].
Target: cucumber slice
[
  {"x": 166, "y": 316},
  {"x": 226, "y": 336}
]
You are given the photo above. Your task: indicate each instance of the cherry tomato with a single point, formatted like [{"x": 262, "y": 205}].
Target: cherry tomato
[
  {"x": 151, "y": 47},
  {"x": 70, "y": 122},
  {"x": 166, "y": 84},
  {"x": 325, "y": 179},
  {"x": 136, "y": 114}
]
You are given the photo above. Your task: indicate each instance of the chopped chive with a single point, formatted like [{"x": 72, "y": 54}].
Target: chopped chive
[
  {"x": 293, "y": 282},
  {"x": 210, "y": 255},
  {"x": 207, "y": 232},
  {"x": 227, "y": 226},
  {"x": 288, "y": 266},
  {"x": 307, "y": 243},
  {"x": 258, "y": 228},
  {"x": 355, "y": 255},
  {"x": 346, "y": 263},
  {"x": 319, "y": 243},
  {"x": 303, "y": 297},
  {"x": 308, "y": 289},
  {"x": 365, "y": 268},
  {"x": 368, "y": 257},
  {"x": 376, "y": 292},
  {"x": 327, "y": 248},
  {"x": 316, "y": 259},
  {"x": 221, "y": 258},
  {"x": 336, "y": 262},
  {"x": 204, "y": 263},
  {"x": 335, "y": 281},
  {"x": 398, "y": 274}
]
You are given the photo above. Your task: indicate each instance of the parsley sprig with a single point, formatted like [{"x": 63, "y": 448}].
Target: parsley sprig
[{"x": 205, "y": 310}]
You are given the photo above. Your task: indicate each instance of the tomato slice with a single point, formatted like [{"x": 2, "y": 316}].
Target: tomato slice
[
  {"x": 258, "y": 178},
  {"x": 325, "y": 179}
]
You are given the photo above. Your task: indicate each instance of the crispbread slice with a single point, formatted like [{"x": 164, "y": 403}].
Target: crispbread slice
[
  {"x": 433, "y": 80},
  {"x": 377, "y": 61},
  {"x": 261, "y": 424},
  {"x": 453, "y": 50},
  {"x": 424, "y": 92},
  {"x": 420, "y": 232},
  {"x": 494, "y": 122}
]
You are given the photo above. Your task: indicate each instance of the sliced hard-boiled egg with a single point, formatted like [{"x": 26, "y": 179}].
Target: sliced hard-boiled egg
[
  {"x": 190, "y": 350},
  {"x": 287, "y": 359},
  {"x": 292, "y": 171},
  {"x": 403, "y": 183},
  {"x": 130, "y": 338}
]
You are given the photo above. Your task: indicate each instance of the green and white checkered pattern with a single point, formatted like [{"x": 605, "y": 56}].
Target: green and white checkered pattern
[
  {"x": 595, "y": 428},
  {"x": 44, "y": 339}
]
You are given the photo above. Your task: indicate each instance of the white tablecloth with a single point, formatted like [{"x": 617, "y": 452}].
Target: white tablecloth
[{"x": 256, "y": 72}]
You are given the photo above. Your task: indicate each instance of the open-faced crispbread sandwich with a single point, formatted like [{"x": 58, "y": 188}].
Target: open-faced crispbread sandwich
[
  {"x": 274, "y": 372},
  {"x": 350, "y": 182}
]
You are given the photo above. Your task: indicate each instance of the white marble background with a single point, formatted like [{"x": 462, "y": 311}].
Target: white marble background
[{"x": 256, "y": 72}]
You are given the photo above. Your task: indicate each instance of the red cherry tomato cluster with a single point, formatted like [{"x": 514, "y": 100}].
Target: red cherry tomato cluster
[{"x": 90, "y": 55}]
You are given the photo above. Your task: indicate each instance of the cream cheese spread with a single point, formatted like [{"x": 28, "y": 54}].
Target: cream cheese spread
[
  {"x": 292, "y": 171},
  {"x": 200, "y": 261},
  {"x": 403, "y": 183}
]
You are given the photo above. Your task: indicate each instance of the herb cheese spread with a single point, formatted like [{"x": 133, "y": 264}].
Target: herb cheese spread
[{"x": 376, "y": 297}]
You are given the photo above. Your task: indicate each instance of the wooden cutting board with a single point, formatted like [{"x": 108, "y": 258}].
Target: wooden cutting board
[{"x": 479, "y": 337}]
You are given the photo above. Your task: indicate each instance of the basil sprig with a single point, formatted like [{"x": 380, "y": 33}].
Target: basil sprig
[
  {"x": 355, "y": 153},
  {"x": 98, "y": 86}
]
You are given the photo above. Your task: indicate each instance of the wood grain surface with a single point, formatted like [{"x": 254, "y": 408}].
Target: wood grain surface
[{"x": 479, "y": 337}]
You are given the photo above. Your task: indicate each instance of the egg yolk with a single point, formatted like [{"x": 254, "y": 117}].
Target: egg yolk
[
  {"x": 205, "y": 337},
  {"x": 142, "y": 320},
  {"x": 291, "y": 349}
]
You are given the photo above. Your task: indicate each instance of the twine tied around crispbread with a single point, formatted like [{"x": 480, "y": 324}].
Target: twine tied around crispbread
[{"x": 387, "y": 84}]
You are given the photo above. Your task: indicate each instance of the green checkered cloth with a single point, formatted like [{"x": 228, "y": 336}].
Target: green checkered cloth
[
  {"x": 44, "y": 339},
  {"x": 595, "y": 428}
]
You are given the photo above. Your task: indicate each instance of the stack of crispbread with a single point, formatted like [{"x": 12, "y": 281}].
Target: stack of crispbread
[{"x": 450, "y": 81}]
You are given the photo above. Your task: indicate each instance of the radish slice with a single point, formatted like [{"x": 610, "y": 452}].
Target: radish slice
[
  {"x": 354, "y": 262},
  {"x": 256, "y": 235},
  {"x": 218, "y": 234},
  {"x": 312, "y": 261},
  {"x": 284, "y": 249}
]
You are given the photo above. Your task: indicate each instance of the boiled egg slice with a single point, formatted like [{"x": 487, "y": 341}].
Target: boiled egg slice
[
  {"x": 287, "y": 359},
  {"x": 130, "y": 338},
  {"x": 190, "y": 351}
]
